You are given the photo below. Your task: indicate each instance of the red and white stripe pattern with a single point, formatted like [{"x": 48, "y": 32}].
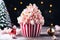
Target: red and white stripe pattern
[{"x": 29, "y": 30}]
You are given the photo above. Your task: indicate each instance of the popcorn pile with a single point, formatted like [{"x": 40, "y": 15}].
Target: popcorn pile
[
  {"x": 31, "y": 21},
  {"x": 32, "y": 15}
]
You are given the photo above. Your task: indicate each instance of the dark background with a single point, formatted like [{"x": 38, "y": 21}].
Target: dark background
[{"x": 53, "y": 17}]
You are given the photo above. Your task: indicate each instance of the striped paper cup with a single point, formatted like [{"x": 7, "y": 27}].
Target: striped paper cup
[{"x": 29, "y": 30}]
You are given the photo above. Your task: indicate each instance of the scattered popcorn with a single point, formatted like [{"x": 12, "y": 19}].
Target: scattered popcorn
[
  {"x": 18, "y": 31},
  {"x": 57, "y": 27}
]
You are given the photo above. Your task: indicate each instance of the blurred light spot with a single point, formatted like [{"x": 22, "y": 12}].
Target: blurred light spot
[
  {"x": 51, "y": 5},
  {"x": 42, "y": 2},
  {"x": 21, "y": 2},
  {"x": 50, "y": 11},
  {"x": 15, "y": 8},
  {"x": 51, "y": 24}
]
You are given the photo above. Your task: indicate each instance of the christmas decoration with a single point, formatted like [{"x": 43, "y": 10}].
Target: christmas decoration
[
  {"x": 4, "y": 16},
  {"x": 31, "y": 21},
  {"x": 51, "y": 32},
  {"x": 13, "y": 32}
]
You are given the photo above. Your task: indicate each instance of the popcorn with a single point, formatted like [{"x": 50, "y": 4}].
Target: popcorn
[
  {"x": 57, "y": 28},
  {"x": 19, "y": 19},
  {"x": 30, "y": 11},
  {"x": 34, "y": 6},
  {"x": 31, "y": 21}
]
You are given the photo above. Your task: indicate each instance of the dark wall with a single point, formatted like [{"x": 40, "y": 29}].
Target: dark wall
[{"x": 53, "y": 17}]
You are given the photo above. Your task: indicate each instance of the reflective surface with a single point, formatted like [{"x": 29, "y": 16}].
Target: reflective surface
[
  {"x": 37, "y": 38},
  {"x": 43, "y": 36}
]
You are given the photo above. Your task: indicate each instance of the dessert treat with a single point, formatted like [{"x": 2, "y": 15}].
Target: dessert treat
[{"x": 31, "y": 21}]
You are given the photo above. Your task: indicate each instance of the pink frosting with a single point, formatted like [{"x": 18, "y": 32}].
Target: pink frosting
[{"x": 32, "y": 15}]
